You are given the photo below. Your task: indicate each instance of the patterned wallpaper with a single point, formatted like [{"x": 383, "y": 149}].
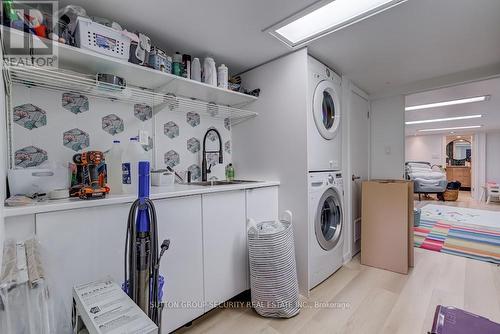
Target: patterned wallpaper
[{"x": 50, "y": 127}]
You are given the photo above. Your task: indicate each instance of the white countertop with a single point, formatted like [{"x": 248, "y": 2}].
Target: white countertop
[{"x": 178, "y": 190}]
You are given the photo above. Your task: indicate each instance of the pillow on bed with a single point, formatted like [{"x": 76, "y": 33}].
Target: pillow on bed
[
  {"x": 427, "y": 175},
  {"x": 419, "y": 169},
  {"x": 419, "y": 165}
]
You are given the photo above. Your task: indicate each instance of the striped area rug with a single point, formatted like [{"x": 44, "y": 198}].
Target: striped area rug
[{"x": 458, "y": 239}]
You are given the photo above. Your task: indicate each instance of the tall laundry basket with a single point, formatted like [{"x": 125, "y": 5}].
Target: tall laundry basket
[{"x": 273, "y": 271}]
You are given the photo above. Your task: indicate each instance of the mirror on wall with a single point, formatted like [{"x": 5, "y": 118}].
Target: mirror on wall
[{"x": 458, "y": 152}]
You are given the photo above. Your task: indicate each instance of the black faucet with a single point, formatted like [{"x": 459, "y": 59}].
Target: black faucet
[{"x": 204, "y": 169}]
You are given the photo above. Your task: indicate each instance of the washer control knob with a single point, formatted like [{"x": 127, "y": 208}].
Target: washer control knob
[{"x": 330, "y": 179}]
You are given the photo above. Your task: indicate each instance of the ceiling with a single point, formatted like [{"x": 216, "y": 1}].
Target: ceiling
[
  {"x": 489, "y": 109},
  {"x": 415, "y": 41}
]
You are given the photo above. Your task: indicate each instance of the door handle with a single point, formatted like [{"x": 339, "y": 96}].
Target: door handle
[{"x": 354, "y": 177}]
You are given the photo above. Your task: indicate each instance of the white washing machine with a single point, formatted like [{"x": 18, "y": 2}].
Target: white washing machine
[
  {"x": 326, "y": 225},
  {"x": 324, "y": 142}
]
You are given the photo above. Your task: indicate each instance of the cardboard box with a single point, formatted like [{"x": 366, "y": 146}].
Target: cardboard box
[{"x": 387, "y": 225}]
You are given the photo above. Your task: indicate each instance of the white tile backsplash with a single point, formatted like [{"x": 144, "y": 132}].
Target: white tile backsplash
[{"x": 66, "y": 125}]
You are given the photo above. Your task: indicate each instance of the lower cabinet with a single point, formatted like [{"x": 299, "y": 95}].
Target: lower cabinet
[
  {"x": 80, "y": 246},
  {"x": 224, "y": 246},
  {"x": 179, "y": 219},
  {"x": 207, "y": 262},
  {"x": 262, "y": 204}
]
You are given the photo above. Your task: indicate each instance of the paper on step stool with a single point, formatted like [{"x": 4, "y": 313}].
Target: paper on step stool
[{"x": 106, "y": 309}]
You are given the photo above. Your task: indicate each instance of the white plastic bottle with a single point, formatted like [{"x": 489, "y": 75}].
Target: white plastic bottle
[
  {"x": 130, "y": 169},
  {"x": 196, "y": 70},
  {"x": 114, "y": 168},
  {"x": 209, "y": 71},
  {"x": 222, "y": 76}
]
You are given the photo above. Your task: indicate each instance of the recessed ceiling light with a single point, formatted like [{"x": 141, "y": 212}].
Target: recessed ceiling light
[
  {"x": 452, "y": 132},
  {"x": 443, "y": 119},
  {"x": 449, "y": 103},
  {"x": 455, "y": 128},
  {"x": 321, "y": 19}
]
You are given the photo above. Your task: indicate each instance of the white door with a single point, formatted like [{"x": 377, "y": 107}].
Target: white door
[
  {"x": 179, "y": 219},
  {"x": 359, "y": 138},
  {"x": 225, "y": 255}
]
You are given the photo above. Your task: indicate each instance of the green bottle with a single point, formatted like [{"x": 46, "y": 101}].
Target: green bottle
[
  {"x": 177, "y": 64},
  {"x": 230, "y": 172}
]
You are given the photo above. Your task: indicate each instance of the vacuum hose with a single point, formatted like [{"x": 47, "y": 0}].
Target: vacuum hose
[{"x": 142, "y": 261}]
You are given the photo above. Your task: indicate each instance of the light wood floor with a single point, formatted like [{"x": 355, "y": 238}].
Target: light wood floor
[
  {"x": 378, "y": 301},
  {"x": 464, "y": 200}
]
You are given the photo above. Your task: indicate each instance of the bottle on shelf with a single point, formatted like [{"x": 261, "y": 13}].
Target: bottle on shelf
[
  {"x": 230, "y": 172},
  {"x": 209, "y": 71},
  {"x": 177, "y": 64},
  {"x": 114, "y": 168},
  {"x": 186, "y": 65},
  {"x": 222, "y": 76},
  {"x": 196, "y": 70},
  {"x": 130, "y": 166}
]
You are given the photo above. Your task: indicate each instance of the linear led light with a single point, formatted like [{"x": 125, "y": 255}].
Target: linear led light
[
  {"x": 455, "y": 128},
  {"x": 449, "y": 103},
  {"x": 435, "y": 120},
  {"x": 321, "y": 19}
]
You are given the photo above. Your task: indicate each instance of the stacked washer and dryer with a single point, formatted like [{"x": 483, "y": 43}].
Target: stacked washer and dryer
[
  {"x": 325, "y": 184},
  {"x": 296, "y": 139}
]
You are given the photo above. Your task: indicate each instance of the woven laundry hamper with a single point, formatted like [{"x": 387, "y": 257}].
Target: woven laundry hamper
[{"x": 273, "y": 271}]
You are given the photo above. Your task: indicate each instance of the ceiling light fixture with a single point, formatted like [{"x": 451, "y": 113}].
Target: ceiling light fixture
[
  {"x": 455, "y": 128},
  {"x": 449, "y": 103},
  {"x": 435, "y": 120},
  {"x": 325, "y": 17}
]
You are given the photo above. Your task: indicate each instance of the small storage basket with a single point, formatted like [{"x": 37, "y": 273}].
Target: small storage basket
[
  {"x": 273, "y": 272},
  {"x": 99, "y": 38},
  {"x": 450, "y": 194}
]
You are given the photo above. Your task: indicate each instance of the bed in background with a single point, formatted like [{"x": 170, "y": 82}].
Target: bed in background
[{"x": 427, "y": 179}]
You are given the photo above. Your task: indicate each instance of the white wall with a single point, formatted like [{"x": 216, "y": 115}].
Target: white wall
[
  {"x": 273, "y": 145},
  {"x": 387, "y": 138},
  {"x": 3, "y": 160},
  {"x": 49, "y": 137},
  {"x": 493, "y": 156},
  {"x": 425, "y": 148},
  {"x": 478, "y": 170}
]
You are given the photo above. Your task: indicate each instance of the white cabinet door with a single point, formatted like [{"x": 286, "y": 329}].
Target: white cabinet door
[
  {"x": 83, "y": 245},
  {"x": 262, "y": 204},
  {"x": 224, "y": 246},
  {"x": 179, "y": 219}
]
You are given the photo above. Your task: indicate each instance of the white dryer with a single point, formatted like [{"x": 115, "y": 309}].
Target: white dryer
[
  {"x": 326, "y": 225},
  {"x": 324, "y": 142}
]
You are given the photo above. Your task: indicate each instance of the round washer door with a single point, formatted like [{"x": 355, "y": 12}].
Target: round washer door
[
  {"x": 328, "y": 223},
  {"x": 326, "y": 109}
]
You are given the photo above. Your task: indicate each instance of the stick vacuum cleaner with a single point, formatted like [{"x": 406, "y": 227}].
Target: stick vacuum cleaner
[{"x": 143, "y": 282}]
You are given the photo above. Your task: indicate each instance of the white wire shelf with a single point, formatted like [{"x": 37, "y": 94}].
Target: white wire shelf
[
  {"x": 70, "y": 81},
  {"x": 88, "y": 61}
]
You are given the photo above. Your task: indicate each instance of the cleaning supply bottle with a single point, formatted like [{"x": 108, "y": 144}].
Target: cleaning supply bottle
[
  {"x": 186, "y": 65},
  {"x": 209, "y": 71},
  {"x": 133, "y": 154},
  {"x": 230, "y": 172},
  {"x": 222, "y": 76},
  {"x": 177, "y": 64},
  {"x": 196, "y": 70},
  {"x": 114, "y": 168}
]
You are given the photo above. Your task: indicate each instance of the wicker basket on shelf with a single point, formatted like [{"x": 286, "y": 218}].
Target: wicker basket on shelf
[{"x": 450, "y": 195}]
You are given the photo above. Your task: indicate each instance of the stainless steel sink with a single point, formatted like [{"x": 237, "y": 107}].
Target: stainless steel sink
[{"x": 219, "y": 183}]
